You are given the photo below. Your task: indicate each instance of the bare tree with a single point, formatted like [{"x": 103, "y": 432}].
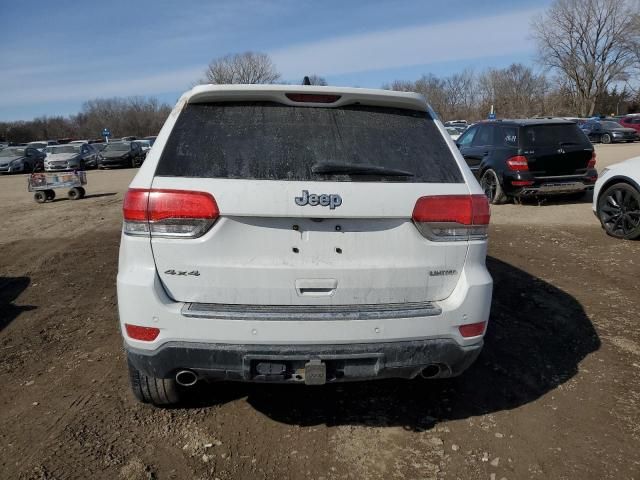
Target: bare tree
[
  {"x": 591, "y": 43},
  {"x": 245, "y": 68},
  {"x": 516, "y": 91}
]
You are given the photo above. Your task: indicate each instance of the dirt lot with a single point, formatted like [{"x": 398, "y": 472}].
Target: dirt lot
[{"x": 555, "y": 393}]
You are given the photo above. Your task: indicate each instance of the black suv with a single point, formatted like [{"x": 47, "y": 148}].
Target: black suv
[{"x": 528, "y": 158}]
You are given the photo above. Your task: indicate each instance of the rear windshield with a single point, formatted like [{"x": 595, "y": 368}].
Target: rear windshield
[
  {"x": 271, "y": 141},
  {"x": 554, "y": 135}
]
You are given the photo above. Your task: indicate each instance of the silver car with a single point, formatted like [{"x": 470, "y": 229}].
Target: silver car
[
  {"x": 20, "y": 159},
  {"x": 70, "y": 157}
]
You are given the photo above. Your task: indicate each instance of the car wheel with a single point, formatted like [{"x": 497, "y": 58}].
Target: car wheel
[
  {"x": 157, "y": 391},
  {"x": 619, "y": 211},
  {"x": 492, "y": 189},
  {"x": 75, "y": 193},
  {"x": 40, "y": 196},
  {"x": 605, "y": 138},
  {"x": 51, "y": 194},
  {"x": 83, "y": 192}
]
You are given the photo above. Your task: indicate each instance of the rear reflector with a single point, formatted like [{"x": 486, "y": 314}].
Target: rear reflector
[
  {"x": 452, "y": 217},
  {"x": 518, "y": 163},
  {"x": 522, "y": 183},
  {"x": 312, "y": 98},
  {"x": 168, "y": 213},
  {"x": 472, "y": 329},
  {"x": 146, "y": 334},
  {"x": 592, "y": 162}
]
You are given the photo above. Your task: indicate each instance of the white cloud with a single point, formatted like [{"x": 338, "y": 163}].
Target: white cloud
[
  {"x": 410, "y": 46},
  {"x": 176, "y": 81}
]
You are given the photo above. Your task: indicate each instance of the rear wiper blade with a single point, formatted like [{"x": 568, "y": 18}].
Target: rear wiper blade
[{"x": 357, "y": 169}]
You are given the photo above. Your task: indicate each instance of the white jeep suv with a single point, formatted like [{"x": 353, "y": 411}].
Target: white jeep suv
[{"x": 301, "y": 234}]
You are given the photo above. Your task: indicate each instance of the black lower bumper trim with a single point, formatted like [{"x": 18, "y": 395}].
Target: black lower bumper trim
[{"x": 343, "y": 362}]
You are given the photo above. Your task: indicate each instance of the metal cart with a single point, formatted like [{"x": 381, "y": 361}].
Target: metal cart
[{"x": 43, "y": 184}]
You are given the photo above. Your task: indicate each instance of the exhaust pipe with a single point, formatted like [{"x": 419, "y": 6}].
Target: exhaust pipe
[
  {"x": 430, "y": 371},
  {"x": 186, "y": 378}
]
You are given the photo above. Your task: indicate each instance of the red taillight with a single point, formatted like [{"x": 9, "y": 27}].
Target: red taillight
[
  {"x": 146, "y": 334},
  {"x": 452, "y": 217},
  {"x": 472, "y": 329},
  {"x": 134, "y": 207},
  {"x": 312, "y": 98},
  {"x": 518, "y": 163},
  {"x": 168, "y": 213},
  {"x": 164, "y": 204},
  {"x": 592, "y": 162}
]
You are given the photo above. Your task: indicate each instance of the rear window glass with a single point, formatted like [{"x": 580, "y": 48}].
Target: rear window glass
[
  {"x": 507, "y": 135},
  {"x": 554, "y": 135},
  {"x": 271, "y": 141}
]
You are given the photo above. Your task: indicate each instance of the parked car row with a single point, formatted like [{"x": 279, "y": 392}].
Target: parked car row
[
  {"x": 76, "y": 155},
  {"x": 608, "y": 131}
]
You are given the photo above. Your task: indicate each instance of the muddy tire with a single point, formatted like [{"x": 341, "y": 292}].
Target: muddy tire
[
  {"x": 75, "y": 194},
  {"x": 156, "y": 391},
  {"x": 40, "y": 196}
]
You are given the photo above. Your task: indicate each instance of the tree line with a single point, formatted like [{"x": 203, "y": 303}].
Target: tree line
[
  {"x": 139, "y": 116},
  {"x": 588, "y": 54}
]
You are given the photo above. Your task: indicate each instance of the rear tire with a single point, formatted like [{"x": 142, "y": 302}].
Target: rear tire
[
  {"x": 75, "y": 193},
  {"x": 492, "y": 189},
  {"x": 160, "y": 392},
  {"x": 83, "y": 192},
  {"x": 40, "y": 196},
  {"x": 619, "y": 211},
  {"x": 605, "y": 138}
]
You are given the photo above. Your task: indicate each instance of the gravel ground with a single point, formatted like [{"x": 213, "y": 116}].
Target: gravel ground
[{"x": 555, "y": 393}]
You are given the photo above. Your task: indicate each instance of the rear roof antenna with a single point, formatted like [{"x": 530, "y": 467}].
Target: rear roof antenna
[{"x": 306, "y": 81}]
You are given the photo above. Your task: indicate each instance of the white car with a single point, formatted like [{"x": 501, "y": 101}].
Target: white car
[
  {"x": 301, "y": 234},
  {"x": 616, "y": 199}
]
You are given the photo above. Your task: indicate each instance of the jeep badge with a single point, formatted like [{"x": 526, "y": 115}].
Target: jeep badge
[{"x": 324, "y": 200}]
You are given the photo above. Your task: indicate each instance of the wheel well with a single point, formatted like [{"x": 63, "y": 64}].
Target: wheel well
[{"x": 613, "y": 181}]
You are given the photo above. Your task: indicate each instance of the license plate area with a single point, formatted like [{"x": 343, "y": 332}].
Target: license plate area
[
  {"x": 561, "y": 187},
  {"x": 317, "y": 370}
]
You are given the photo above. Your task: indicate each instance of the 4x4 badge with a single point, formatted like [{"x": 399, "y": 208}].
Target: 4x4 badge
[
  {"x": 324, "y": 200},
  {"x": 183, "y": 273}
]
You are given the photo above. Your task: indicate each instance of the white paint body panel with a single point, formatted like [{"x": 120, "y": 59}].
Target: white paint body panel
[
  {"x": 247, "y": 256},
  {"x": 628, "y": 170}
]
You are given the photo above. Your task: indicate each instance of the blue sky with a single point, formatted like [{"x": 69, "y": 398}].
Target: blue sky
[{"x": 55, "y": 55}]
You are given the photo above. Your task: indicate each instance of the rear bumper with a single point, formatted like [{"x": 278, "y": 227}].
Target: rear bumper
[
  {"x": 362, "y": 341},
  {"x": 526, "y": 185},
  {"x": 352, "y": 362}
]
